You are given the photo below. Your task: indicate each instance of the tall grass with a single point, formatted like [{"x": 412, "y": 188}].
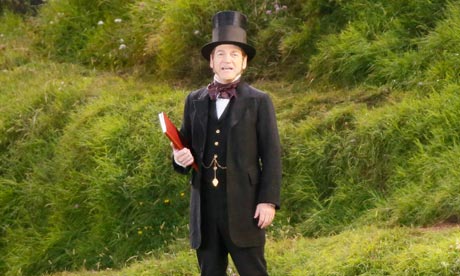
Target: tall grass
[
  {"x": 358, "y": 162},
  {"x": 442, "y": 50},
  {"x": 377, "y": 45},
  {"x": 86, "y": 179}
]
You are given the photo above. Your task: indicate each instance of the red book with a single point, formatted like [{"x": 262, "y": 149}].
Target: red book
[{"x": 172, "y": 133}]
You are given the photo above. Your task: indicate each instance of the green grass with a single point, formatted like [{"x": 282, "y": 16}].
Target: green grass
[
  {"x": 362, "y": 251},
  {"x": 86, "y": 163}
]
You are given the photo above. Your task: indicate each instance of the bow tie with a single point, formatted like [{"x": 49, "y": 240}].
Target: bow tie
[{"x": 223, "y": 91}]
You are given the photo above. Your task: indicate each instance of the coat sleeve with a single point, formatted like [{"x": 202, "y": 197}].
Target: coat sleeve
[
  {"x": 269, "y": 149},
  {"x": 185, "y": 133}
]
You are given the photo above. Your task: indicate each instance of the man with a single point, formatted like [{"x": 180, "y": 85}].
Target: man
[{"x": 231, "y": 132}]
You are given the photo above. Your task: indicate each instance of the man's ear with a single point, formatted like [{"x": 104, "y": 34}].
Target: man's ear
[
  {"x": 245, "y": 62},
  {"x": 211, "y": 61}
]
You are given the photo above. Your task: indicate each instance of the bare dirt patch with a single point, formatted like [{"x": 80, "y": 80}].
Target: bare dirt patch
[{"x": 441, "y": 227}]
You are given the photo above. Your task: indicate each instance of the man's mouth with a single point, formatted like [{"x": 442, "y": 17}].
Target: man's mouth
[{"x": 226, "y": 68}]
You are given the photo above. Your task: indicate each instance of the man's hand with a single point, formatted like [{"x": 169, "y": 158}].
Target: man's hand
[
  {"x": 182, "y": 157},
  {"x": 265, "y": 212}
]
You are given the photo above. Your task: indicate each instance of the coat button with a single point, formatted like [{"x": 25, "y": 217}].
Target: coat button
[
  {"x": 216, "y": 144},
  {"x": 218, "y": 131}
]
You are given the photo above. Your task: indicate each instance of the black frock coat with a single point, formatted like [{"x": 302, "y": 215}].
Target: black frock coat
[{"x": 253, "y": 161}]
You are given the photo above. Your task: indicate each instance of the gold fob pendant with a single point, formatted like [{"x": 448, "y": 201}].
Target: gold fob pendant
[{"x": 215, "y": 182}]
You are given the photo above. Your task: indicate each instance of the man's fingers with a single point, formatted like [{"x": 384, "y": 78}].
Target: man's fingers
[
  {"x": 183, "y": 156},
  {"x": 265, "y": 221},
  {"x": 265, "y": 213},
  {"x": 256, "y": 215}
]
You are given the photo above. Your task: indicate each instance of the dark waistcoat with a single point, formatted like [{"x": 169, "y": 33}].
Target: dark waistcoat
[{"x": 214, "y": 198}]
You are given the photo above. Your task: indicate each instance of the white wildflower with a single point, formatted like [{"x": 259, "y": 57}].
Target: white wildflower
[
  {"x": 100, "y": 23},
  {"x": 117, "y": 20},
  {"x": 445, "y": 264},
  {"x": 122, "y": 47}
]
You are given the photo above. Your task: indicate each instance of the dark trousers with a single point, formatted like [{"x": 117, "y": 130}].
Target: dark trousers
[{"x": 216, "y": 245}]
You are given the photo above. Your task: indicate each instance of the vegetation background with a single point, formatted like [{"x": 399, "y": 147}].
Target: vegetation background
[{"x": 367, "y": 98}]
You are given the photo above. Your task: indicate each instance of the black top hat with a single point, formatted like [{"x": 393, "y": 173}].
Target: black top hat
[{"x": 228, "y": 27}]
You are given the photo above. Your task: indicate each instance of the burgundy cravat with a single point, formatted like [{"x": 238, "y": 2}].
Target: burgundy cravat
[{"x": 224, "y": 91}]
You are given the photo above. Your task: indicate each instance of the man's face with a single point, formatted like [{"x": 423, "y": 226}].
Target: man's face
[{"x": 228, "y": 61}]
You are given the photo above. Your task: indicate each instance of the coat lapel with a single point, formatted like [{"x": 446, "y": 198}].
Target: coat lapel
[
  {"x": 200, "y": 119},
  {"x": 240, "y": 104}
]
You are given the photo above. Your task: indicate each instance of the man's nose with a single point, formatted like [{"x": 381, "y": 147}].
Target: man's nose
[{"x": 227, "y": 58}]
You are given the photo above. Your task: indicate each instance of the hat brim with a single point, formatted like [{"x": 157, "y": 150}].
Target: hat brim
[{"x": 208, "y": 48}]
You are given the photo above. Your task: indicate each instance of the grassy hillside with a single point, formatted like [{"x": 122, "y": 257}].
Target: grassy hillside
[
  {"x": 366, "y": 94},
  {"x": 365, "y": 251}
]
